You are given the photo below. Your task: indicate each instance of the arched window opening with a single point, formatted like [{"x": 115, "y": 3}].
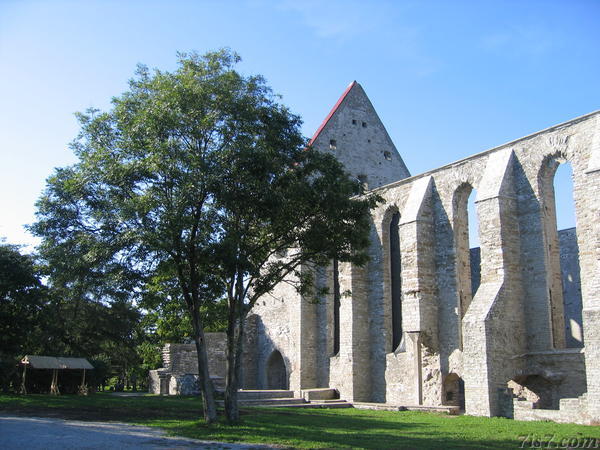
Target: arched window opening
[
  {"x": 568, "y": 255},
  {"x": 474, "y": 246},
  {"x": 563, "y": 197},
  {"x": 395, "y": 281},
  {"x": 336, "y": 307},
  {"x": 468, "y": 255}
]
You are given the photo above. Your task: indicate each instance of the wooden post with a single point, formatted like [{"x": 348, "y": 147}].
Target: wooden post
[
  {"x": 23, "y": 386},
  {"x": 54, "y": 386},
  {"x": 82, "y": 388}
]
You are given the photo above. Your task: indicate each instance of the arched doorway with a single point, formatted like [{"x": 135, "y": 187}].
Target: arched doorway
[
  {"x": 276, "y": 372},
  {"x": 454, "y": 391}
]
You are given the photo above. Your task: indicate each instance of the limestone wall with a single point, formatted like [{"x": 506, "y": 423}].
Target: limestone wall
[
  {"x": 182, "y": 358},
  {"x": 571, "y": 285},
  {"x": 483, "y": 333},
  {"x": 179, "y": 374}
]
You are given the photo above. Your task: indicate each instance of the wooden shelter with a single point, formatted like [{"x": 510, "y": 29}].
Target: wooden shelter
[{"x": 55, "y": 364}]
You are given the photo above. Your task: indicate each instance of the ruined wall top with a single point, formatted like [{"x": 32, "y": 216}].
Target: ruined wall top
[
  {"x": 182, "y": 358},
  {"x": 554, "y": 137}
]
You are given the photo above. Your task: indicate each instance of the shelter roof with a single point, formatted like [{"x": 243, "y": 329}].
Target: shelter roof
[{"x": 55, "y": 362}]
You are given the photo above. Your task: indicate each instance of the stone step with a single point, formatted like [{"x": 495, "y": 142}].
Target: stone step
[
  {"x": 377, "y": 406},
  {"x": 267, "y": 401},
  {"x": 451, "y": 410},
  {"x": 328, "y": 400},
  {"x": 333, "y": 404},
  {"x": 319, "y": 394},
  {"x": 246, "y": 394}
]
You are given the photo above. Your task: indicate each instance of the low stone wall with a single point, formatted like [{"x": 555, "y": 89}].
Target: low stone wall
[
  {"x": 179, "y": 375},
  {"x": 183, "y": 359},
  {"x": 571, "y": 410}
]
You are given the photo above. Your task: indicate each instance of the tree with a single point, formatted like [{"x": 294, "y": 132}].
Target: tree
[
  {"x": 273, "y": 200},
  {"x": 36, "y": 318},
  {"x": 200, "y": 177},
  {"x": 22, "y": 302}
]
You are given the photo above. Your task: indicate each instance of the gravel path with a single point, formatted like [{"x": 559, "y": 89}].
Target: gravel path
[{"x": 43, "y": 433}]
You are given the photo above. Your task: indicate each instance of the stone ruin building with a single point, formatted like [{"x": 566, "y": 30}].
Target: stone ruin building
[
  {"x": 511, "y": 328},
  {"x": 179, "y": 374}
]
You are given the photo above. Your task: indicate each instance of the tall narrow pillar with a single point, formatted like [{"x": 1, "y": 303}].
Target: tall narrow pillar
[
  {"x": 303, "y": 373},
  {"x": 419, "y": 300},
  {"x": 588, "y": 234},
  {"x": 493, "y": 330},
  {"x": 419, "y": 305},
  {"x": 350, "y": 368}
]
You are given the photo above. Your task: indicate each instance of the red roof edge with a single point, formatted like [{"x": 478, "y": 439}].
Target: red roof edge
[{"x": 332, "y": 112}]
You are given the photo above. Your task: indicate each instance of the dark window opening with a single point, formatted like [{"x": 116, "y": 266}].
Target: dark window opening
[
  {"x": 396, "y": 281},
  {"x": 364, "y": 124},
  {"x": 353, "y": 121},
  {"x": 387, "y": 155},
  {"x": 336, "y": 307},
  {"x": 332, "y": 144}
]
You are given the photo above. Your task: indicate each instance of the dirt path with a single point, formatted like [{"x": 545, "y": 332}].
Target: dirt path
[{"x": 48, "y": 433}]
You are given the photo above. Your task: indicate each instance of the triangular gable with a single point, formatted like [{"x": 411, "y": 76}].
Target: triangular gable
[
  {"x": 355, "y": 135},
  {"x": 332, "y": 112}
]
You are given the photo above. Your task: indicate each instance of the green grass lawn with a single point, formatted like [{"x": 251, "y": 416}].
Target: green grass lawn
[{"x": 312, "y": 428}]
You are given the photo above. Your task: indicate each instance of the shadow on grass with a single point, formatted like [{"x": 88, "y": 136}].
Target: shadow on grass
[
  {"x": 322, "y": 430},
  {"x": 313, "y": 428}
]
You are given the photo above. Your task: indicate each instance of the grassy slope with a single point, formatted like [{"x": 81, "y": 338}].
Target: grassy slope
[{"x": 302, "y": 428}]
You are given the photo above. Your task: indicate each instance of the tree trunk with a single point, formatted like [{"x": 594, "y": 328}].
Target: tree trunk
[
  {"x": 235, "y": 335},
  {"x": 206, "y": 386}
]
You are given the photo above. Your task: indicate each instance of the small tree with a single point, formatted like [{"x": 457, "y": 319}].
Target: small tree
[
  {"x": 276, "y": 200},
  {"x": 200, "y": 177}
]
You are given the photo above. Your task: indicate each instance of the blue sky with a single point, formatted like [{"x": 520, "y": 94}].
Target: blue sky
[{"x": 448, "y": 78}]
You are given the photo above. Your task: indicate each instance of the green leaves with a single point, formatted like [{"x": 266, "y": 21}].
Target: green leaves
[
  {"x": 185, "y": 191},
  {"x": 22, "y": 299}
]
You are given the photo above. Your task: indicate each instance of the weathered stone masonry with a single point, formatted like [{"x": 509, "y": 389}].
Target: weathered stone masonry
[
  {"x": 179, "y": 374},
  {"x": 508, "y": 343},
  {"x": 511, "y": 328}
]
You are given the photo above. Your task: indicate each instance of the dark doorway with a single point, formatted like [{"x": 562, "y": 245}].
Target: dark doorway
[
  {"x": 276, "y": 372},
  {"x": 454, "y": 391}
]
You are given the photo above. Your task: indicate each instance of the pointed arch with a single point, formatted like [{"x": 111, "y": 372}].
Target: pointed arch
[
  {"x": 468, "y": 255},
  {"x": 277, "y": 377},
  {"x": 393, "y": 278},
  {"x": 561, "y": 250}
]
